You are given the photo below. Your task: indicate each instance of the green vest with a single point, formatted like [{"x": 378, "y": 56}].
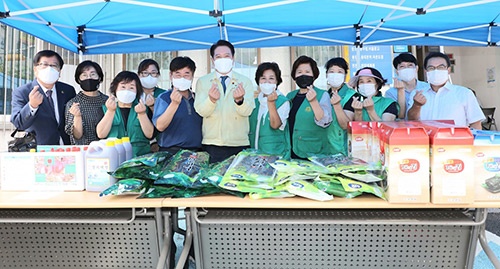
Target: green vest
[
  {"x": 308, "y": 138},
  {"x": 140, "y": 143},
  {"x": 337, "y": 137},
  {"x": 271, "y": 141},
  {"x": 380, "y": 104}
]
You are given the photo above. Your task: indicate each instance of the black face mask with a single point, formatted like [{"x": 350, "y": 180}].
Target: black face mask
[
  {"x": 90, "y": 85},
  {"x": 304, "y": 81}
]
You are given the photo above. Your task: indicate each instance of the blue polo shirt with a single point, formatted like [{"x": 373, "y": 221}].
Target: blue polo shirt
[{"x": 184, "y": 130}]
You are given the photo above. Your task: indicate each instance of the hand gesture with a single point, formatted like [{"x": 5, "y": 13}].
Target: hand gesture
[
  {"x": 368, "y": 103},
  {"x": 311, "y": 93},
  {"x": 150, "y": 99},
  {"x": 35, "y": 97},
  {"x": 140, "y": 108},
  {"x": 399, "y": 84},
  {"x": 239, "y": 93},
  {"x": 356, "y": 104},
  {"x": 176, "y": 97},
  {"x": 214, "y": 93},
  {"x": 335, "y": 99},
  {"x": 272, "y": 97},
  {"x": 75, "y": 110},
  {"x": 111, "y": 103},
  {"x": 419, "y": 98}
]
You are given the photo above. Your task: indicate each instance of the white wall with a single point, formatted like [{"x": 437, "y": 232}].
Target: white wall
[{"x": 471, "y": 66}]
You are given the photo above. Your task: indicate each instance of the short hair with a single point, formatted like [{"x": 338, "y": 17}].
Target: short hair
[
  {"x": 86, "y": 65},
  {"x": 126, "y": 76},
  {"x": 221, "y": 43},
  {"x": 48, "y": 53},
  {"x": 378, "y": 79},
  {"x": 404, "y": 57},
  {"x": 180, "y": 62},
  {"x": 436, "y": 54},
  {"x": 146, "y": 63},
  {"x": 305, "y": 60},
  {"x": 268, "y": 66},
  {"x": 338, "y": 61}
]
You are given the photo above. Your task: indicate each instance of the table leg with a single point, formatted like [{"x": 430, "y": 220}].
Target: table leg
[
  {"x": 164, "y": 259},
  {"x": 187, "y": 242},
  {"x": 484, "y": 244}
]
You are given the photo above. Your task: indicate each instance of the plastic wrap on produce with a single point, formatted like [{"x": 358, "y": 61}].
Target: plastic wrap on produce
[{"x": 126, "y": 187}]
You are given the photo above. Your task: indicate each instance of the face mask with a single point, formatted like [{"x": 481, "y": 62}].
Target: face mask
[
  {"x": 48, "y": 75},
  {"x": 335, "y": 79},
  {"x": 181, "y": 84},
  {"x": 126, "y": 96},
  {"x": 223, "y": 65},
  {"x": 149, "y": 82},
  {"x": 267, "y": 88},
  {"x": 304, "y": 81},
  {"x": 437, "y": 77},
  {"x": 90, "y": 85},
  {"x": 407, "y": 74},
  {"x": 367, "y": 90}
]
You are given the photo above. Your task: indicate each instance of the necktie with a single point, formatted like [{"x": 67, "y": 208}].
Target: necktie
[
  {"x": 223, "y": 82},
  {"x": 51, "y": 102}
]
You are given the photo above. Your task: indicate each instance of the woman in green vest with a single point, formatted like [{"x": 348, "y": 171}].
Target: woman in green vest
[
  {"x": 310, "y": 113},
  {"x": 129, "y": 116},
  {"x": 149, "y": 73},
  {"x": 368, "y": 104},
  {"x": 340, "y": 94},
  {"x": 268, "y": 122}
]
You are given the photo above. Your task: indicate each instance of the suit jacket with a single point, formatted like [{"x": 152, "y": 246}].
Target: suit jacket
[{"x": 43, "y": 123}]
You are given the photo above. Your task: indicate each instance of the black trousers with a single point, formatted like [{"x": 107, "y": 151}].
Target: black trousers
[{"x": 220, "y": 153}]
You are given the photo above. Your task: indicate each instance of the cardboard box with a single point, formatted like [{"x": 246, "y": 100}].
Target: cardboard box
[
  {"x": 451, "y": 162},
  {"x": 42, "y": 171},
  {"x": 359, "y": 136},
  {"x": 487, "y": 166},
  {"x": 405, "y": 152}
]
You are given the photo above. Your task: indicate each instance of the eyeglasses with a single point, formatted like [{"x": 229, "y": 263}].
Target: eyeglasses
[
  {"x": 153, "y": 74},
  {"x": 45, "y": 65},
  {"x": 84, "y": 76},
  {"x": 439, "y": 67}
]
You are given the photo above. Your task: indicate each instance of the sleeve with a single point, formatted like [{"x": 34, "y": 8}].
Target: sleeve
[
  {"x": 283, "y": 112},
  {"x": 326, "y": 106},
  {"x": 202, "y": 103},
  {"x": 161, "y": 106},
  {"x": 248, "y": 105},
  {"x": 392, "y": 93},
  {"x": 348, "y": 105},
  {"x": 68, "y": 128},
  {"x": 474, "y": 112},
  {"x": 392, "y": 109},
  {"x": 21, "y": 115}
]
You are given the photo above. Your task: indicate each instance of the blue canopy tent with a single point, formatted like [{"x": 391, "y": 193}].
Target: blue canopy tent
[{"x": 127, "y": 26}]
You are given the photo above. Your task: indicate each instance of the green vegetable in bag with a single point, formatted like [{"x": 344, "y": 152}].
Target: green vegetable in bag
[
  {"x": 125, "y": 186},
  {"x": 148, "y": 166}
]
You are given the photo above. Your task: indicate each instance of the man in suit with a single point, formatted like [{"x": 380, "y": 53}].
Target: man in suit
[
  {"x": 225, "y": 100},
  {"x": 39, "y": 105}
]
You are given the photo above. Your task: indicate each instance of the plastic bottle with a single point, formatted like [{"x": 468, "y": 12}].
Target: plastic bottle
[
  {"x": 128, "y": 147},
  {"x": 99, "y": 160},
  {"x": 120, "y": 148}
]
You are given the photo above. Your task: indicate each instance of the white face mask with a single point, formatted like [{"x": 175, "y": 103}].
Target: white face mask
[
  {"x": 407, "y": 74},
  {"x": 437, "y": 77},
  {"x": 149, "y": 82},
  {"x": 335, "y": 79},
  {"x": 366, "y": 90},
  {"x": 267, "y": 88},
  {"x": 223, "y": 65},
  {"x": 125, "y": 96},
  {"x": 48, "y": 75},
  {"x": 181, "y": 84}
]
